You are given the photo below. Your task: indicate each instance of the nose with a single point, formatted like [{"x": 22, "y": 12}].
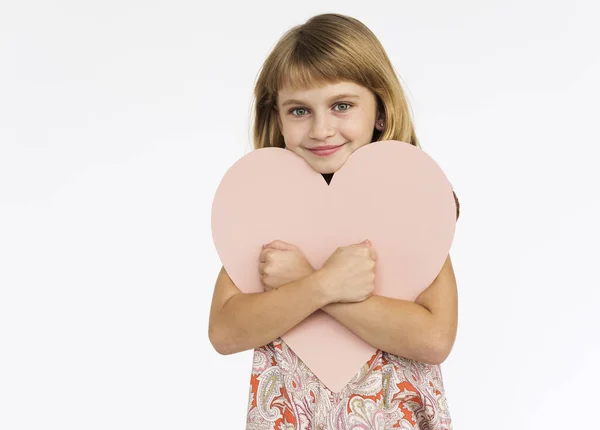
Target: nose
[{"x": 322, "y": 128}]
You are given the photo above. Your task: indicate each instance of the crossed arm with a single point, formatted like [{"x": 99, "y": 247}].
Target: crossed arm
[{"x": 423, "y": 331}]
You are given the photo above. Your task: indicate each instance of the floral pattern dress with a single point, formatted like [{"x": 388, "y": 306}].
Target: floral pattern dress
[{"x": 389, "y": 392}]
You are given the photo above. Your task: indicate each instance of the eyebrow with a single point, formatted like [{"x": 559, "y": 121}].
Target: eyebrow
[{"x": 338, "y": 96}]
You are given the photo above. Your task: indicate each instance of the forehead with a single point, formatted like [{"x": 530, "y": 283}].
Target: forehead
[{"x": 318, "y": 90}]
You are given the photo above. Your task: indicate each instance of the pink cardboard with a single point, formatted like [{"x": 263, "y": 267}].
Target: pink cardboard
[{"x": 390, "y": 192}]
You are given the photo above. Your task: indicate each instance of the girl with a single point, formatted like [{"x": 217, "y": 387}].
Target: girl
[{"x": 327, "y": 89}]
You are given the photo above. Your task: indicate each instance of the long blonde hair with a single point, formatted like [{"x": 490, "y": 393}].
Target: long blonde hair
[{"x": 330, "y": 48}]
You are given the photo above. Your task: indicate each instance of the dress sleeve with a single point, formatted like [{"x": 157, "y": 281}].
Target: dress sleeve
[{"x": 457, "y": 205}]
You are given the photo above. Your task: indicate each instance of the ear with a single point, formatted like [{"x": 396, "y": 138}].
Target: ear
[{"x": 378, "y": 122}]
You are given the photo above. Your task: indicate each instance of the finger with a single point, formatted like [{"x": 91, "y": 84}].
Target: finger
[
  {"x": 279, "y": 245},
  {"x": 261, "y": 268},
  {"x": 269, "y": 245},
  {"x": 264, "y": 255}
]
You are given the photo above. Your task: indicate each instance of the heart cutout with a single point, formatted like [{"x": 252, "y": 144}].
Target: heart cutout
[{"x": 390, "y": 192}]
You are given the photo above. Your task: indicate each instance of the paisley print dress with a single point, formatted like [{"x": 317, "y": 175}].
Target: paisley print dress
[{"x": 389, "y": 392}]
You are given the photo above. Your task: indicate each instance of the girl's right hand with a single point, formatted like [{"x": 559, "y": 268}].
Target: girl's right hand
[{"x": 348, "y": 275}]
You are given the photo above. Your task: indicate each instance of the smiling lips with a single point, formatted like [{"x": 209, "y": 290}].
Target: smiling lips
[{"x": 325, "y": 150}]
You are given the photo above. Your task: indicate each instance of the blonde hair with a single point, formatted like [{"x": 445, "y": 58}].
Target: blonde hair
[{"x": 330, "y": 48}]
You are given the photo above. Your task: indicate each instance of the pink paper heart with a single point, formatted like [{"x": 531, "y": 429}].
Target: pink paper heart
[{"x": 389, "y": 192}]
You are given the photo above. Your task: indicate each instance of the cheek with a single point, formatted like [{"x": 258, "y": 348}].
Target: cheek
[
  {"x": 291, "y": 143},
  {"x": 293, "y": 137},
  {"x": 356, "y": 124},
  {"x": 353, "y": 129}
]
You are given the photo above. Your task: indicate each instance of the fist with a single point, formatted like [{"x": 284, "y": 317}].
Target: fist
[
  {"x": 348, "y": 275},
  {"x": 281, "y": 263}
]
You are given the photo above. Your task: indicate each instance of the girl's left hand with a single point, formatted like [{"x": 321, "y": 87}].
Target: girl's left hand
[{"x": 281, "y": 263}]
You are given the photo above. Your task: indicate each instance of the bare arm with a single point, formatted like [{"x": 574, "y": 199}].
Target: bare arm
[
  {"x": 396, "y": 326},
  {"x": 240, "y": 321},
  {"x": 423, "y": 331}
]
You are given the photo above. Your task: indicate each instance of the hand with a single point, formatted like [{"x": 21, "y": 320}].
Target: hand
[
  {"x": 281, "y": 263},
  {"x": 348, "y": 275}
]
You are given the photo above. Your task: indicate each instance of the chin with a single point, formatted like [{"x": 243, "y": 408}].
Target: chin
[{"x": 328, "y": 167}]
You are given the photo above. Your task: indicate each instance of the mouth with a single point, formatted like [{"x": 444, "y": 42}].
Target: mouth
[{"x": 325, "y": 150}]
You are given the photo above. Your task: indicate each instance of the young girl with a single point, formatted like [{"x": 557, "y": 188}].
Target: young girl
[{"x": 327, "y": 89}]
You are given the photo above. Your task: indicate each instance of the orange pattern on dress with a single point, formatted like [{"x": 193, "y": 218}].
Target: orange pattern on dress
[{"x": 389, "y": 392}]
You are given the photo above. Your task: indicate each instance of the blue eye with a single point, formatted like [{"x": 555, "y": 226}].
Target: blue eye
[
  {"x": 295, "y": 109},
  {"x": 301, "y": 108},
  {"x": 344, "y": 104}
]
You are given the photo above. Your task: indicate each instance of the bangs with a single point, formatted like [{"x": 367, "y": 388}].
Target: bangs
[{"x": 304, "y": 69}]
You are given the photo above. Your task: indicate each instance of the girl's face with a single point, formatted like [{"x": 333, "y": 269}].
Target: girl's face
[{"x": 339, "y": 116}]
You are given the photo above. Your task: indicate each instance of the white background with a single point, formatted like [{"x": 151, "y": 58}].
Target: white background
[{"x": 119, "y": 118}]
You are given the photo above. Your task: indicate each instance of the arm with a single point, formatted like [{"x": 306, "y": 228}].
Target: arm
[
  {"x": 424, "y": 330},
  {"x": 240, "y": 321}
]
